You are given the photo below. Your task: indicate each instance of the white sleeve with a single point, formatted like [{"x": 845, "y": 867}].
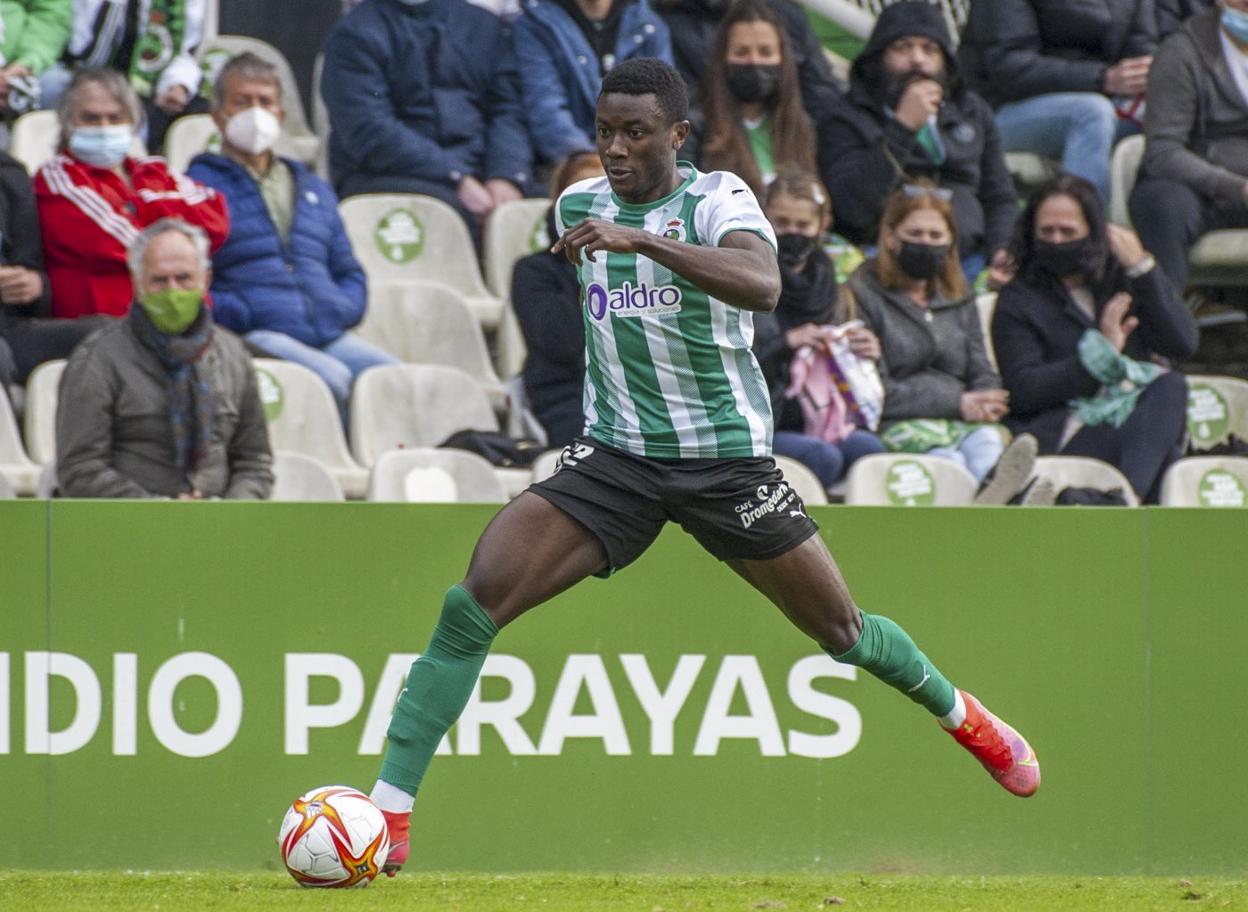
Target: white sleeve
[{"x": 731, "y": 206}]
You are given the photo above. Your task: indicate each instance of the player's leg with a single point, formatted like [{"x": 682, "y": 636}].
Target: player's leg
[{"x": 806, "y": 584}]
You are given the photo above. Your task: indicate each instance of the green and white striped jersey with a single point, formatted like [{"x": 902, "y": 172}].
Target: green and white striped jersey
[{"x": 669, "y": 371}]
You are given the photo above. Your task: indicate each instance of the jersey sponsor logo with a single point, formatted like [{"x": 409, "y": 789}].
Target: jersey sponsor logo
[
  {"x": 780, "y": 498},
  {"x": 631, "y": 300}
]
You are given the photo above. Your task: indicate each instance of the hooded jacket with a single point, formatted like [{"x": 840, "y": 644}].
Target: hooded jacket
[
  {"x": 1196, "y": 123},
  {"x": 864, "y": 152}
]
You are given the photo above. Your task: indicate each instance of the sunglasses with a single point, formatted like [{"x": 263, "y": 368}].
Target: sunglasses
[{"x": 914, "y": 191}]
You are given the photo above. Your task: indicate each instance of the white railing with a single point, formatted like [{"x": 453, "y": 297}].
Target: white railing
[{"x": 858, "y": 16}]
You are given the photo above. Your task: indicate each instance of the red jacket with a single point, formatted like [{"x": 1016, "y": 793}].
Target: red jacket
[{"x": 89, "y": 217}]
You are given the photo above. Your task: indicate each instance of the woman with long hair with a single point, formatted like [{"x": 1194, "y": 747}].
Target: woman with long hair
[{"x": 755, "y": 120}]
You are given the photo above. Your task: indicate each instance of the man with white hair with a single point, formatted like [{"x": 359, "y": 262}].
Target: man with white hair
[{"x": 163, "y": 403}]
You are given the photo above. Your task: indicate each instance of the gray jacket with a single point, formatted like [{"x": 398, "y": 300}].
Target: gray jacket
[
  {"x": 931, "y": 356},
  {"x": 113, "y": 437},
  {"x": 1196, "y": 122}
]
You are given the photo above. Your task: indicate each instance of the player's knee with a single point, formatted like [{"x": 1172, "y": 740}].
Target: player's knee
[
  {"x": 490, "y": 593},
  {"x": 840, "y": 628}
]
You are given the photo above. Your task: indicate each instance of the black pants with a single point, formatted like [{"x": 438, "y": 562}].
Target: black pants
[
  {"x": 1147, "y": 442},
  {"x": 1170, "y": 217},
  {"x": 34, "y": 341}
]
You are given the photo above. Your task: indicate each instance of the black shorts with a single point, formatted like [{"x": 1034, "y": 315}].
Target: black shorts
[{"x": 735, "y": 508}]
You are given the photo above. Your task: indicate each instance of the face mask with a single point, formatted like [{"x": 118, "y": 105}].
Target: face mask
[
  {"x": 1236, "y": 24},
  {"x": 1069, "y": 258},
  {"x": 794, "y": 249},
  {"x": 752, "y": 81},
  {"x": 253, "y": 131},
  {"x": 173, "y": 309},
  {"x": 922, "y": 261},
  {"x": 104, "y": 147}
]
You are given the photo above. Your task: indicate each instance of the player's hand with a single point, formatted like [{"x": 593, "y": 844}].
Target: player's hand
[
  {"x": 593, "y": 235},
  {"x": 1125, "y": 246},
  {"x": 920, "y": 100},
  {"x": 19, "y": 286},
  {"x": 1115, "y": 325}
]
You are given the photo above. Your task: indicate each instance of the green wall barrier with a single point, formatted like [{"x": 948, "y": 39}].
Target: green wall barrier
[{"x": 172, "y": 675}]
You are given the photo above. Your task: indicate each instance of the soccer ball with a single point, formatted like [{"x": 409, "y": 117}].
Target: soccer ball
[{"x": 333, "y": 836}]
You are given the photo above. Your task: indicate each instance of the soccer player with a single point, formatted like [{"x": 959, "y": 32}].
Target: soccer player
[{"x": 677, "y": 427}]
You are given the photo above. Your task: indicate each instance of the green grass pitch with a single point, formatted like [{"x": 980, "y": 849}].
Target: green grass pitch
[{"x": 178, "y": 892}]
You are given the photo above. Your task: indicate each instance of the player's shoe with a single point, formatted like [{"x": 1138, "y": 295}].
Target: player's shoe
[
  {"x": 1004, "y": 752},
  {"x": 397, "y": 825}
]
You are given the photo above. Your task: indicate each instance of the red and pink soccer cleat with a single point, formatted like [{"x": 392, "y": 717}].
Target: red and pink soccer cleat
[
  {"x": 397, "y": 824},
  {"x": 1004, "y": 752}
]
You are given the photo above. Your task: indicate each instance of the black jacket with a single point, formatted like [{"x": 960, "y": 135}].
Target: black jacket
[
  {"x": 1036, "y": 330},
  {"x": 1171, "y": 13},
  {"x": 21, "y": 243},
  {"x": 1017, "y": 49},
  {"x": 862, "y": 147}
]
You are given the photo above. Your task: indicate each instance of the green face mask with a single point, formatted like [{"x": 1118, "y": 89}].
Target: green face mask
[{"x": 174, "y": 309}]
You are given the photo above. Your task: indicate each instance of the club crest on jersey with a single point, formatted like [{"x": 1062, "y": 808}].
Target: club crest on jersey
[
  {"x": 631, "y": 300},
  {"x": 674, "y": 229}
]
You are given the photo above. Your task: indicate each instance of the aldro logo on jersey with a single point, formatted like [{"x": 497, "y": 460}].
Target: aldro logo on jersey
[{"x": 631, "y": 300}]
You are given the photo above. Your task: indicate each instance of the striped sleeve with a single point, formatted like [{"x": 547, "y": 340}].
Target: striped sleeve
[
  {"x": 730, "y": 205},
  {"x": 88, "y": 201}
]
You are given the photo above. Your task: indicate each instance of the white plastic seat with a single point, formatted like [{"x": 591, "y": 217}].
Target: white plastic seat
[
  {"x": 1124, "y": 167},
  {"x": 986, "y": 304},
  {"x": 544, "y": 466},
  {"x": 414, "y": 405},
  {"x": 802, "y": 480},
  {"x": 187, "y": 137},
  {"x": 402, "y": 237},
  {"x": 298, "y": 477},
  {"x": 1206, "y": 481},
  {"x": 1082, "y": 472},
  {"x": 16, "y": 468},
  {"x": 513, "y": 230},
  {"x": 1029, "y": 169},
  {"x": 36, "y": 135},
  {"x": 473, "y": 479},
  {"x": 298, "y": 141},
  {"x": 42, "y": 394},
  {"x": 905, "y": 480},
  {"x": 303, "y": 418},
  {"x": 429, "y": 323},
  {"x": 7, "y": 491},
  {"x": 1216, "y": 408}
]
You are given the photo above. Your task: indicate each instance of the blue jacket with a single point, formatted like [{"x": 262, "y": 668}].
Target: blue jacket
[
  {"x": 559, "y": 73},
  {"x": 311, "y": 288},
  {"x": 426, "y": 91}
]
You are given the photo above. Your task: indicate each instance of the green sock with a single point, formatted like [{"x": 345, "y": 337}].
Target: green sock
[
  {"x": 438, "y": 687},
  {"x": 887, "y": 651}
]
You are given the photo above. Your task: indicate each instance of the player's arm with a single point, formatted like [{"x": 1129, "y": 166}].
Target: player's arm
[{"x": 741, "y": 271}]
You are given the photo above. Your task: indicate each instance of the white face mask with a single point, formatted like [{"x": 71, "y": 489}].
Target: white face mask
[{"x": 254, "y": 130}]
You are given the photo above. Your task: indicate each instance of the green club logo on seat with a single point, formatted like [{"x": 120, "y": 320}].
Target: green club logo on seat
[
  {"x": 271, "y": 395},
  {"x": 1219, "y": 488},
  {"x": 910, "y": 485},
  {"x": 1208, "y": 418},
  {"x": 539, "y": 240},
  {"x": 400, "y": 236}
]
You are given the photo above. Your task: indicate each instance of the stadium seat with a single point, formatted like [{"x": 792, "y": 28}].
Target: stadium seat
[
  {"x": 320, "y": 117},
  {"x": 512, "y": 231},
  {"x": 47, "y": 481},
  {"x": 544, "y": 466},
  {"x": 1218, "y": 258},
  {"x": 42, "y": 392},
  {"x": 303, "y": 418},
  {"x": 1206, "y": 481},
  {"x": 297, "y": 477},
  {"x": 16, "y": 468},
  {"x": 422, "y": 474},
  {"x": 406, "y": 237},
  {"x": 187, "y": 137},
  {"x": 987, "y": 304},
  {"x": 7, "y": 491},
  {"x": 1030, "y": 170},
  {"x": 1217, "y": 407},
  {"x": 414, "y": 405},
  {"x": 802, "y": 480},
  {"x": 905, "y": 480},
  {"x": 298, "y": 141},
  {"x": 36, "y": 135},
  {"x": 429, "y": 323},
  {"x": 1082, "y": 472}
]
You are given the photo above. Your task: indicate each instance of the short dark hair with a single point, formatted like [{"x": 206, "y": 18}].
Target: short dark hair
[{"x": 650, "y": 76}]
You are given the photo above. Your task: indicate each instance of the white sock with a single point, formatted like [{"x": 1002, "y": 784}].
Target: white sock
[
  {"x": 392, "y": 798},
  {"x": 956, "y": 716}
]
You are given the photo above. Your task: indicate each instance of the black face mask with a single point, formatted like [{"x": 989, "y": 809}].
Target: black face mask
[
  {"x": 922, "y": 261},
  {"x": 752, "y": 81},
  {"x": 1068, "y": 258},
  {"x": 795, "y": 249}
]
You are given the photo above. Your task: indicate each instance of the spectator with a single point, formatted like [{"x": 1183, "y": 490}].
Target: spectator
[
  {"x": 153, "y": 42},
  {"x": 799, "y": 210},
  {"x": 933, "y": 360},
  {"x": 694, "y": 24},
  {"x": 908, "y": 116},
  {"x": 1078, "y": 325},
  {"x": 1067, "y": 77},
  {"x": 24, "y": 289},
  {"x": 162, "y": 403},
  {"x": 1194, "y": 177},
  {"x": 93, "y": 198},
  {"x": 414, "y": 112},
  {"x": 547, "y": 300},
  {"x": 755, "y": 122},
  {"x": 1171, "y": 13},
  {"x": 34, "y": 34},
  {"x": 285, "y": 279},
  {"x": 563, "y": 49}
]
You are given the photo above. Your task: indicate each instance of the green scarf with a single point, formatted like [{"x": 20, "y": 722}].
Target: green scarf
[
  {"x": 1123, "y": 378},
  {"x": 160, "y": 40}
]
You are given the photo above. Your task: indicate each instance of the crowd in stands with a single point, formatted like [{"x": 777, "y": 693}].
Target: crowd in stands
[{"x": 174, "y": 279}]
